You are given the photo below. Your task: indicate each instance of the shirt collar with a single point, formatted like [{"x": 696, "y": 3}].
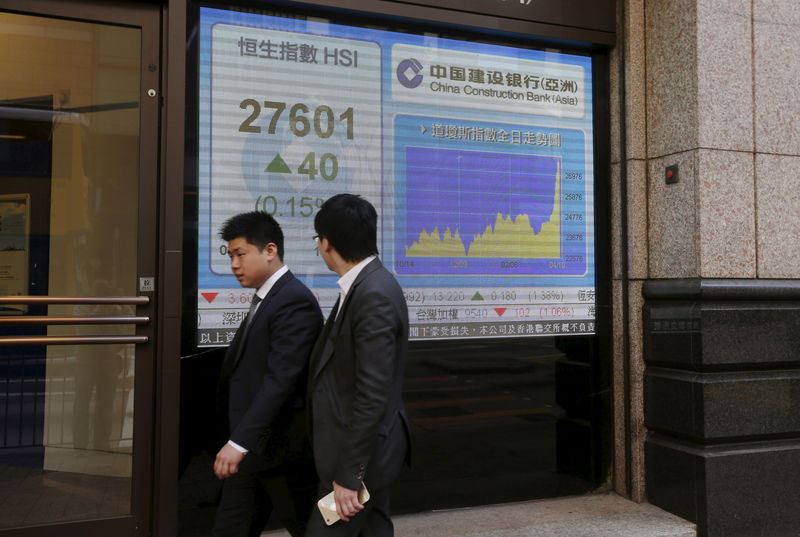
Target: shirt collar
[
  {"x": 346, "y": 281},
  {"x": 265, "y": 288}
]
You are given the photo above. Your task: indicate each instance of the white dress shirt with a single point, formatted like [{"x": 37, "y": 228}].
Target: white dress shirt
[{"x": 347, "y": 279}]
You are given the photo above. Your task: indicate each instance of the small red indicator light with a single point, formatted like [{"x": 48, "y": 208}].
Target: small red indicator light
[{"x": 671, "y": 174}]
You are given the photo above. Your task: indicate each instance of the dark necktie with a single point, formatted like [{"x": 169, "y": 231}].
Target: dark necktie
[
  {"x": 251, "y": 312},
  {"x": 238, "y": 342}
]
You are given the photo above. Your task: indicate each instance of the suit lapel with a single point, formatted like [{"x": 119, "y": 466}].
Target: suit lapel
[
  {"x": 329, "y": 333},
  {"x": 236, "y": 351},
  {"x": 323, "y": 341},
  {"x": 232, "y": 352},
  {"x": 371, "y": 267}
]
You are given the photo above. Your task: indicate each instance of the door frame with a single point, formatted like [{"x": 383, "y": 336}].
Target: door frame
[
  {"x": 146, "y": 17},
  {"x": 170, "y": 247}
]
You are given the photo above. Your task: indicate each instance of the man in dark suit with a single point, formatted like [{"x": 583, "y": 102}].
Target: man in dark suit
[
  {"x": 266, "y": 462},
  {"x": 359, "y": 425}
]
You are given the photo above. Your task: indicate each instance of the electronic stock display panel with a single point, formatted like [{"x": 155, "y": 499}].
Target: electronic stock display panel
[{"x": 477, "y": 157}]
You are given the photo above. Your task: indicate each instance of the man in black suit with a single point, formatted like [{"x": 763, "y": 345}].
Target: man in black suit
[
  {"x": 359, "y": 425},
  {"x": 266, "y": 462}
]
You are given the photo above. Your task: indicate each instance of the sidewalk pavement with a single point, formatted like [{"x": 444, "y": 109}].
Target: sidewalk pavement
[{"x": 598, "y": 515}]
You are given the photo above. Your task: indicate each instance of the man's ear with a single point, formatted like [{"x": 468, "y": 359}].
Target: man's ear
[
  {"x": 325, "y": 245},
  {"x": 271, "y": 249}
]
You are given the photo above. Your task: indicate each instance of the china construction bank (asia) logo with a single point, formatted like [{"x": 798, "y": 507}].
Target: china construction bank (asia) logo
[{"x": 408, "y": 73}]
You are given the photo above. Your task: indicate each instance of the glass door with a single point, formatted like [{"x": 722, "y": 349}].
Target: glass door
[{"x": 78, "y": 176}]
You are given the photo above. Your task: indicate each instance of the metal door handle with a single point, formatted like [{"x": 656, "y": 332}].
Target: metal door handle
[{"x": 76, "y": 320}]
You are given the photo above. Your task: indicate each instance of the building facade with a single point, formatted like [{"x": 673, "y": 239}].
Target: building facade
[{"x": 709, "y": 259}]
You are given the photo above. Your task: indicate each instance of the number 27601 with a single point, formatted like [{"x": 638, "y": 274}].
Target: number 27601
[{"x": 301, "y": 118}]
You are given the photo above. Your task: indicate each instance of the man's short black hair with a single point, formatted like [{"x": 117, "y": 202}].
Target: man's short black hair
[
  {"x": 350, "y": 223},
  {"x": 257, "y": 228}
]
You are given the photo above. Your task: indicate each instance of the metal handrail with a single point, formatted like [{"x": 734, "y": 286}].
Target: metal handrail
[
  {"x": 70, "y": 319},
  {"x": 67, "y": 319},
  {"x": 71, "y": 340},
  {"x": 107, "y": 300}
]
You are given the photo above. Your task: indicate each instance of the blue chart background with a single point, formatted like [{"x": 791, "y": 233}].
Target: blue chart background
[
  {"x": 509, "y": 179},
  {"x": 466, "y": 190}
]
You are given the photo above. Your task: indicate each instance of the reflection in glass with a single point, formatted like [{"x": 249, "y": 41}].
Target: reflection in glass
[
  {"x": 69, "y": 139},
  {"x": 99, "y": 371},
  {"x": 498, "y": 421}
]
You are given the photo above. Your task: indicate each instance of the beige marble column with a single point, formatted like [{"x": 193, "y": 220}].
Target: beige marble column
[
  {"x": 700, "y": 117},
  {"x": 776, "y": 70}
]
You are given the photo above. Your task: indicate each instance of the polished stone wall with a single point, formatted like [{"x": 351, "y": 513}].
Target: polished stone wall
[
  {"x": 709, "y": 86},
  {"x": 722, "y": 102}
]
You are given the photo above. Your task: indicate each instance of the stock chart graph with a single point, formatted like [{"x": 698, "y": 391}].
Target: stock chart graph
[
  {"x": 476, "y": 212},
  {"x": 481, "y": 204}
]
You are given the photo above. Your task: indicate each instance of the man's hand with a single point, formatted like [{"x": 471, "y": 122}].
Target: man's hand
[
  {"x": 227, "y": 461},
  {"x": 347, "y": 504}
]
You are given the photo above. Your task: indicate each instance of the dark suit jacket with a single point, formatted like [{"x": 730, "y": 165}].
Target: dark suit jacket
[
  {"x": 359, "y": 422},
  {"x": 264, "y": 373}
]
